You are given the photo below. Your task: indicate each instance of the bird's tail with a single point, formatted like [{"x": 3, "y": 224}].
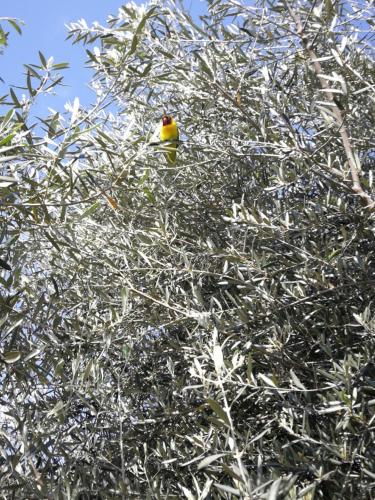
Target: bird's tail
[{"x": 170, "y": 153}]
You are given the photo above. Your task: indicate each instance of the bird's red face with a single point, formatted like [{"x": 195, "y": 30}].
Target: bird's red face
[{"x": 167, "y": 120}]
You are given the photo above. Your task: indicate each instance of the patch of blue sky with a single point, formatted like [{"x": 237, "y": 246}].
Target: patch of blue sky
[{"x": 45, "y": 30}]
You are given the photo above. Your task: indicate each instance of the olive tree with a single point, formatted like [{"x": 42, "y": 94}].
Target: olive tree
[{"x": 202, "y": 329}]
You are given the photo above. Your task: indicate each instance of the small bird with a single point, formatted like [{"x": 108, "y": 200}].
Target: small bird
[{"x": 169, "y": 132}]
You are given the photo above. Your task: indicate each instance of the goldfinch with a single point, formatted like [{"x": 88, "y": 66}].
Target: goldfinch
[{"x": 169, "y": 132}]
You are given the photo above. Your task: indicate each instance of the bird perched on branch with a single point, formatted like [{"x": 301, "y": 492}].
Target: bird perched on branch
[{"x": 169, "y": 132}]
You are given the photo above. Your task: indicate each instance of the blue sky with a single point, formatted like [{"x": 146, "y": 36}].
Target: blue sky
[{"x": 45, "y": 30}]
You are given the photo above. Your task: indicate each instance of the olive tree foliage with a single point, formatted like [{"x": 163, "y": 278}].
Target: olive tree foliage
[
  {"x": 203, "y": 329},
  {"x": 8, "y": 22}
]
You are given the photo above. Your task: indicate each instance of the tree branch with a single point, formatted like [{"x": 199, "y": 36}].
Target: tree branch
[{"x": 336, "y": 111}]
